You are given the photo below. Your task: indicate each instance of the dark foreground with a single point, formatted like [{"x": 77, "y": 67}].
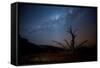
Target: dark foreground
[{"x": 29, "y": 53}]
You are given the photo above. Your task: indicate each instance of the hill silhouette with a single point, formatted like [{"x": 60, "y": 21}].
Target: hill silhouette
[
  {"x": 31, "y": 53},
  {"x": 26, "y": 48}
]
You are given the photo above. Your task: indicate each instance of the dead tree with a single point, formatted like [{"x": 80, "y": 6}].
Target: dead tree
[
  {"x": 72, "y": 43},
  {"x": 73, "y": 37}
]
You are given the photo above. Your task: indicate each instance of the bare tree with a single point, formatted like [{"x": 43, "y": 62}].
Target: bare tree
[
  {"x": 73, "y": 37},
  {"x": 72, "y": 43}
]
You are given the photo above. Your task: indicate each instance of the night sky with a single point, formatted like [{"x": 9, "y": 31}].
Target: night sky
[{"x": 40, "y": 24}]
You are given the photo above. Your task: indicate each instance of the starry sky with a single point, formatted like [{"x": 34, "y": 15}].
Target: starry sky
[{"x": 40, "y": 24}]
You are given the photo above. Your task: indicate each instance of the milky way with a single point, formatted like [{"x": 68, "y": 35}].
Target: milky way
[{"x": 42, "y": 24}]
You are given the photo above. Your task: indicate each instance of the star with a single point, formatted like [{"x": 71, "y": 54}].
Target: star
[
  {"x": 57, "y": 17},
  {"x": 71, "y": 11}
]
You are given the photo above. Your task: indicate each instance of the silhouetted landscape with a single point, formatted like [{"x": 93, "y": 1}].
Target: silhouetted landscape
[{"x": 30, "y": 53}]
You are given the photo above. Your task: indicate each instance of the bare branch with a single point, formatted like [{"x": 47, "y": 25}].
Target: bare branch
[
  {"x": 82, "y": 43},
  {"x": 75, "y": 30},
  {"x": 73, "y": 36},
  {"x": 59, "y": 43},
  {"x": 70, "y": 29},
  {"x": 67, "y": 43}
]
